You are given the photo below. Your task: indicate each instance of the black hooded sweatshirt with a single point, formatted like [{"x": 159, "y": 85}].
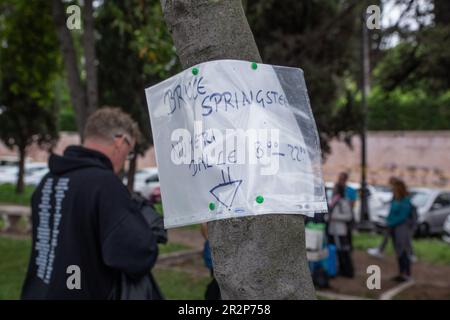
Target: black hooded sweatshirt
[{"x": 86, "y": 230}]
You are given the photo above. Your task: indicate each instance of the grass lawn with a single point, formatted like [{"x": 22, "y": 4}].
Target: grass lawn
[
  {"x": 430, "y": 250},
  {"x": 172, "y": 247},
  {"x": 13, "y": 266},
  {"x": 8, "y": 194},
  {"x": 159, "y": 209},
  {"x": 176, "y": 285},
  {"x": 14, "y": 263}
]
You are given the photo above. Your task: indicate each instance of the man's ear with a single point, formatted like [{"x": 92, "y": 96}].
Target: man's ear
[
  {"x": 118, "y": 141},
  {"x": 115, "y": 146}
]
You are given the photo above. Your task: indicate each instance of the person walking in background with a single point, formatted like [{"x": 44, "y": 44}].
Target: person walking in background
[
  {"x": 399, "y": 221},
  {"x": 213, "y": 289},
  {"x": 386, "y": 233},
  {"x": 338, "y": 230},
  {"x": 378, "y": 252},
  {"x": 350, "y": 193},
  {"x": 351, "y": 196}
]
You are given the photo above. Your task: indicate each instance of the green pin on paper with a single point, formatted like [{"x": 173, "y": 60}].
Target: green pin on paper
[
  {"x": 254, "y": 65},
  {"x": 212, "y": 206},
  {"x": 259, "y": 199},
  {"x": 194, "y": 71}
]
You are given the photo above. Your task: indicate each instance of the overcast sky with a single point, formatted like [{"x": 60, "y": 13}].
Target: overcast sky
[{"x": 392, "y": 12}]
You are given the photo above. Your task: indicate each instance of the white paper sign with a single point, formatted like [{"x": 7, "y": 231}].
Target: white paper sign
[{"x": 235, "y": 138}]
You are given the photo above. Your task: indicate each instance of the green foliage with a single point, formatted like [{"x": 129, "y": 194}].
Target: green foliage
[
  {"x": 15, "y": 254},
  {"x": 412, "y": 109},
  {"x": 412, "y": 83},
  {"x": 14, "y": 264},
  {"x": 177, "y": 285},
  {"x": 420, "y": 63},
  {"x": 67, "y": 120},
  {"x": 66, "y": 113},
  {"x": 322, "y": 38},
  {"x": 171, "y": 247},
  {"x": 426, "y": 249},
  {"x": 158, "y": 208},
  {"x": 134, "y": 51},
  {"x": 8, "y": 195},
  {"x": 28, "y": 62}
]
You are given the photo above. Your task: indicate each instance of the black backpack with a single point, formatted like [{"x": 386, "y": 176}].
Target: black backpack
[
  {"x": 145, "y": 287},
  {"x": 154, "y": 220}
]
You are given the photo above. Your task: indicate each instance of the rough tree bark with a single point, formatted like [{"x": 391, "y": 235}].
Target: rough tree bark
[
  {"x": 20, "y": 187},
  {"x": 131, "y": 172},
  {"x": 260, "y": 257}
]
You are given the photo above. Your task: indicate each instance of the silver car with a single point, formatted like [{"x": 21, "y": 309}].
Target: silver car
[
  {"x": 145, "y": 181},
  {"x": 378, "y": 200},
  {"x": 446, "y": 235},
  {"x": 433, "y": 207}
]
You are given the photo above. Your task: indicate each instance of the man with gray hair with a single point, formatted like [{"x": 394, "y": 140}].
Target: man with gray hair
[{"x": 86, "y": 229}]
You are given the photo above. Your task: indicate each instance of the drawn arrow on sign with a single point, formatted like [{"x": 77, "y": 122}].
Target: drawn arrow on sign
[{"x": 225, "y": 192}]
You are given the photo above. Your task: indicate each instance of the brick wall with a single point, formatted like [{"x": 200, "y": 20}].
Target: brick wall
[{"x": 421, "y": 158}]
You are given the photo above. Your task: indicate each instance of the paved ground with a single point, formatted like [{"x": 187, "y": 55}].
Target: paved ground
[{"x": 431, "y": 281}]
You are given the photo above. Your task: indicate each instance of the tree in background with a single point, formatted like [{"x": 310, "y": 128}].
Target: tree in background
[
  {"x": 28, "y": 65},
  {"x": 134, "y": 51},
  {"x": 412, "y": 83},
  {"x": 322, "y": 38},
  {"x": 410, "y": 79},
  {"x": 82, "y": 84}
]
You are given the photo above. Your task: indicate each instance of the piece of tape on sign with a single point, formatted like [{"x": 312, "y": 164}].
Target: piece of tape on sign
[{"x": 235, "y": 138}]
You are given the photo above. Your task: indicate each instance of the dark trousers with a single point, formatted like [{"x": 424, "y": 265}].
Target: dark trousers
[
  {"x": 213, "y": 289},
  {"x": 404, "y": 264},
  {"x": 386, "y": 233},
  {"x": 344, "y": 255}
]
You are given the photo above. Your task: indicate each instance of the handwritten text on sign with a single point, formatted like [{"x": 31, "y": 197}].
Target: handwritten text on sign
[{"x": 232, "y": 140}]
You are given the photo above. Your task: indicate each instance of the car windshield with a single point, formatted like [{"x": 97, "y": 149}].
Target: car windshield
[{"x": 419, "y": 199}]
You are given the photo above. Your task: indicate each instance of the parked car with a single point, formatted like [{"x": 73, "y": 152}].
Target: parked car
[
  {"x": 35, "y": 177},
  {"x": 10, "y": 161},
  {"x": 8, "y": 174},
  {"x": 150, "y": 184},
  {"x": 145, "y": 181},
  {"x": 433, "y": 208},
  {"x": 33, "y": 170},
  {"x": 377, "y": 199},
  {"x": 446, "y": 235}
]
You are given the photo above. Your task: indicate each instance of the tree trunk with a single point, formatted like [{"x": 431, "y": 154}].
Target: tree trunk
[
  {"x": 441, "y": 12},
  {"x": 131, "y": 172},
  {"x": 83, "y": 103},
  {"x": 89, "y": 54},
  {"x": 20, "y": 186},
  {"x": 77, "y": 93},
  {"x": 259, "y": 257}
]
